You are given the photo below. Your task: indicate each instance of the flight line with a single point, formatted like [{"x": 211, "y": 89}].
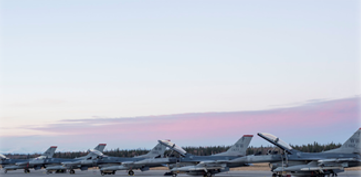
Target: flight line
[{"x": 284, "y": 163}]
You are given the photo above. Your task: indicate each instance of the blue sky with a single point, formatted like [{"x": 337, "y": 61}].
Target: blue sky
[{"x": 88, "y": 59}]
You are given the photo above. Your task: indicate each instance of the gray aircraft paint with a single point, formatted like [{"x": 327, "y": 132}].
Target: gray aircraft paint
[
  {"x": 201, "y": 165},
  {"x": 157, "y": 151},
  {"x": 83, "y": 163},
  {"x": 307, "y": 164},
  {"x": 239, "y": 148},
  {"x": 26, "y": 164},
  {"x": 142, "y": 162}
]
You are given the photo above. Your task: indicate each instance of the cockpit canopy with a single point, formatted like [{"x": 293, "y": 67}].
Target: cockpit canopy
[
  {"x": 40, "y": 157},
  {"x": 275, "y": 140},
  {"x": 2, "y": 156},
  {"x": 171, "y": 145}
]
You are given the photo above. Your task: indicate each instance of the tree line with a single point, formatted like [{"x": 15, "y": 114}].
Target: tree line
[{"x": 201, "y": 151}]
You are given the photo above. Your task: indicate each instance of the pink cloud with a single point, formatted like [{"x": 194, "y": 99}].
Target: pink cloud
[{"x": 313, "y": 120}]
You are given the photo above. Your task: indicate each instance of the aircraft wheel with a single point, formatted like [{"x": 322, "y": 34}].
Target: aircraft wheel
[
  {"x": 113, "y": 173},
  {"x": 6, "y": 171},
  {"x": 209, "y": 174},
  {"x": 72, "y": 172},
  {"x": 102, "y": 173},
  {"x": 174, "y": 174},
  {"x": 131, "y": 173},
  {"x": 274, "y": 175}
]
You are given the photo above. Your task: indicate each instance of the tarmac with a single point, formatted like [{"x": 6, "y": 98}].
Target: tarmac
[{"x": 160, "y": 173}]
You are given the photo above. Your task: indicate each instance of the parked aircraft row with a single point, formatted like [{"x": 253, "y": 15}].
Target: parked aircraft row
[{"x": 287, "y": 161}]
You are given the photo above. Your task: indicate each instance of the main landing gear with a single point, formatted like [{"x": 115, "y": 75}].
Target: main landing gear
[
  {"x": 280, "y": 175},
  {"x": 107, "y": 173},
  {"x": 208, "y": 174},
  {"x": 71, "y": 172},
  {"x": 131, "y": 173},
  {"x": 26, "y": 171}
]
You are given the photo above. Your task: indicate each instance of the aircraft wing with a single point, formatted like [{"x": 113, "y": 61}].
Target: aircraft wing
[
  {"x": 195, "y": 168},
  {"x": 13, "y": 167},
  {"x": 257, "y": 159},
  {"x": 337, "y": 160},
  {"x": 57, "y": 167},
  {"x": 71, "y": 163},
  {"x": 204, "y": 166},
  {"x": 320, "y": 168},
  {"x": 317, "y": 166},
  {"x": 115, "y": 167},
  {"x": 149, "y": 161}
]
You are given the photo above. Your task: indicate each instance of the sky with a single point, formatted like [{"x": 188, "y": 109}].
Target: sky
[{"x": 64, "y": 63}]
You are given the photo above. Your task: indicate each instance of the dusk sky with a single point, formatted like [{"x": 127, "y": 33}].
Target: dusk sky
[{"x": 126, "y": 73}]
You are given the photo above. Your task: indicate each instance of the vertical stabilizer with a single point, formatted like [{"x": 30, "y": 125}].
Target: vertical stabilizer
[
  {"x": 100, "y": 147},
  {"x": 50, "y": 152},
  {"x": 352, "y": 145},
  {"x": 238, "y": 149},
  {"x": 157, "y": 151}
]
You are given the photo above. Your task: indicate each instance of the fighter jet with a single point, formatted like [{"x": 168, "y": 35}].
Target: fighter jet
[
  {"x": 82, "y": 163},
  {"x": 152, "y": 159},
  {"x": 208, "y": 165},
  {"x": 26, "y": 164},
  {"x": 300, "y": 163},
  {"x": 6, "y": 162}
]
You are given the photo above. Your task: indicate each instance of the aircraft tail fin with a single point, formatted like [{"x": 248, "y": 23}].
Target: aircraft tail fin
[
  {"x": 352, "y": 145},
  {"x": 100, "y": 147},
  {"x": 239, "y": 148},
  {"x": 157, "y": 151},
  {"x": 50, "y": 152}
]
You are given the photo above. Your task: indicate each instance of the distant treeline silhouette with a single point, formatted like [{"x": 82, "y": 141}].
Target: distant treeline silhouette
[{"x": 201, "y": 151}]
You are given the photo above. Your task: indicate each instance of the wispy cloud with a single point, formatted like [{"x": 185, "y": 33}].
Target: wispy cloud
[{"x": 323, "y": 121}]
